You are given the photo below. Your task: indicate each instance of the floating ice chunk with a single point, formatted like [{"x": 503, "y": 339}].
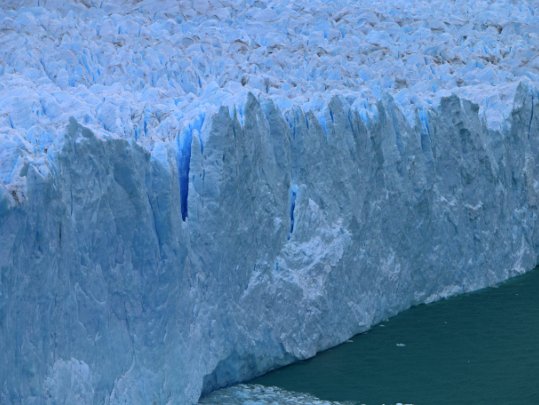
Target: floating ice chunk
[{"x": 246, "y": 394}]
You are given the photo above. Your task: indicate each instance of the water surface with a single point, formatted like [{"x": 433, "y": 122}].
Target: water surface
[{"x": 479, "y": 348}]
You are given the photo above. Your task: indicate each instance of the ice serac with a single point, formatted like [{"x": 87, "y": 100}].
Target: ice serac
[{"x": 300, "y": 231}]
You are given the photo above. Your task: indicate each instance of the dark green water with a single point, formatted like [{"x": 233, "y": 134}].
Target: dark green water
[{"x": 480, "y": 348}]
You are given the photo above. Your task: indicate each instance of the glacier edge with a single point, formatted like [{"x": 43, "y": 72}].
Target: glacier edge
[{"x": 109, "y": 296}]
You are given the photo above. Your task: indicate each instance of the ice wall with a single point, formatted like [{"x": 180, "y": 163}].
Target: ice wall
[{"x": 296, "y": 233}]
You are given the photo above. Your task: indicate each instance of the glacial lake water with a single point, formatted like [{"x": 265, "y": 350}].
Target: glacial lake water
[{"x": 478, "y": 348}]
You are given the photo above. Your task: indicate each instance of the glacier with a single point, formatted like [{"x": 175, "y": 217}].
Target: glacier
[{"x": 192, "y": 194}]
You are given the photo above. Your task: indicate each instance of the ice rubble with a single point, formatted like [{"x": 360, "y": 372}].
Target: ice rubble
[
  {"x": 251, "y": 394},
  {"x": 236, "y": 173},
  {"x": 243, "y": 394}
]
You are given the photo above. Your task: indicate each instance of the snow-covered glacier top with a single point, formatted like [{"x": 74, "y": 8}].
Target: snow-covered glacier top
[{"x": 146, "y": 69}]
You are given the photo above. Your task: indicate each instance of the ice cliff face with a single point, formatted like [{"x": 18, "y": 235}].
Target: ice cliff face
[{"x": 140, "y": 278}]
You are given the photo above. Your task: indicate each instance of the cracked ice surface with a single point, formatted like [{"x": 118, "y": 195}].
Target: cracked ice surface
[{"x": 145, "y": 69}]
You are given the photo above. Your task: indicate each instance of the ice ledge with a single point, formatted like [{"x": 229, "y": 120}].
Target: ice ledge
[{"x": 19, "y": 149}]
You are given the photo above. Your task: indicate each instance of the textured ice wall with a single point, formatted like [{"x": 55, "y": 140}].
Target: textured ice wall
[{"x": 298, "y": 232}]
